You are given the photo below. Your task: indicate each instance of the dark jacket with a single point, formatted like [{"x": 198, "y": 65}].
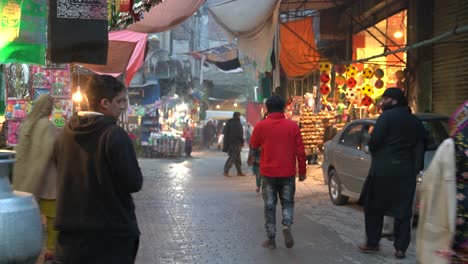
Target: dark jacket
[
  {"x": 97, "y": 172},
  {"x": 233, "y": 134},
  {"x": 394, "y": 145}
]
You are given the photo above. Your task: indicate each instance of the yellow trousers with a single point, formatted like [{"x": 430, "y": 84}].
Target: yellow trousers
[{"x": 48, "y": 208}]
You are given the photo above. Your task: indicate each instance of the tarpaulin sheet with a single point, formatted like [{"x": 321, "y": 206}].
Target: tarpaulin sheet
[
  {"x": 126, "y": 54},
  {"x": 253, "y": 24},
  {"x": 298, "y": 55},
  {"x": 23, "y": 31},
  {"x": 78, "y": 31},
  {"x": 166, "y": 15},
  {"x": 223, "y": 53}
]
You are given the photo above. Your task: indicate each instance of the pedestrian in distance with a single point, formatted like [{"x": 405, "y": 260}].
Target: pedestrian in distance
[
  {"x": 97, "y": 173},
  {"x": 188, "y": 135},
  {"x": 442, "y": 235},
  {"x": 282, "y": 150},
  {"x": 233, "y": 142},
  {"x": 395, "y": 147},
  {"x": 254, "y": 161},
  {"x": 34, "y": 170}
]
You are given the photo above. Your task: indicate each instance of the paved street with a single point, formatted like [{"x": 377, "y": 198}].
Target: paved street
[{"x": 189, "y": 213}]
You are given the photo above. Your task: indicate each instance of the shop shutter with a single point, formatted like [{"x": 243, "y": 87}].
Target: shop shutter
[{"x": 450, "y": 64}]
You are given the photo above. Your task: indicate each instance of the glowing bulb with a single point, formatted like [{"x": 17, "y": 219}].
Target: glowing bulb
[
  {"x": 77, "y": 96},
  {"x": 218, "y": 106},
  {"x": 398, "y": 34},
  {"x": 235, "y": 104}
]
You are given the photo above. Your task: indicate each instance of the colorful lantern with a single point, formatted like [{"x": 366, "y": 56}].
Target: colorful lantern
[
  {"x": 379, "y": 84},
  {"x": 340, "y": 80},
  {"x": 351, "y": 82},
  {"x": 366, "y": 101},
  {"x": 325, "y": 89},
  {"x": 379, "y": 73},
  {"x": 367, "y": 89},
  {"x": 325, "y": 78},
  {"x": 367, "y": 73},
  {"x": 351, "y": 94},
  {"x": 340, "y": 68},
  {"x": 325, "y": 67},
  {"x": 351, "y": 71}
]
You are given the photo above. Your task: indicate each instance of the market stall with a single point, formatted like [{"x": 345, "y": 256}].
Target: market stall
[{"x": 24, "y": 84}]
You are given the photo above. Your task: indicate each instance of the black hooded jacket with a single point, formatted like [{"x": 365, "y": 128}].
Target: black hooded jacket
[{"x": 97, "y": 172}]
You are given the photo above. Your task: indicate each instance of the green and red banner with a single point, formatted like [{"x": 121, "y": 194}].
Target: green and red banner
[{"x": 23, "y": 27}]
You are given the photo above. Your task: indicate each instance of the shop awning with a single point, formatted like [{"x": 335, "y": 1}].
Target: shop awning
[
  {"x": 166, "y": 15},
  {"x": 289, "y": 5},
  {"x": 298, "y": 55},
  {"x": 253, "y": 24},
  {"x": 125, "y": 54}
]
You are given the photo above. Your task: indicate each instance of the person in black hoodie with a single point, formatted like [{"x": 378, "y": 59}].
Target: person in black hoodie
[{"x": 97, "y": 173}]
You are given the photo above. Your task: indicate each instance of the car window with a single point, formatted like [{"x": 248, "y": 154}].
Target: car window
[
  {"x": 436, "y": 132},
  {"x": 365, "y": 136},
  {"x": 351, "y": 137}
]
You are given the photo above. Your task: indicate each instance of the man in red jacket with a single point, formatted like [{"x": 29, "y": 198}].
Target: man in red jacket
[{"x": 281, "y": 143}]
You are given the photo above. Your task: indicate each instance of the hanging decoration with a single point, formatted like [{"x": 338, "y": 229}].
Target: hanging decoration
[
  {"x": 325, "y": 89},
  {"x": 367, "y": 89},
  {"x": 351, "y": 71},
  {"x": 367, "y": 100},
  {"x": 351, "y": 82},
  {"x": 129, "y": 12},
  {"x": 340, "y": 69},
  {"x": 367, "y": 73},
  {"x": 351, "y": 94}
]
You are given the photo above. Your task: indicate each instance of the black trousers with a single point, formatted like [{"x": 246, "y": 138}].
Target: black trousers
[
  {"x": 76, "y": 248},
  {"x": 374, "y": 225}
]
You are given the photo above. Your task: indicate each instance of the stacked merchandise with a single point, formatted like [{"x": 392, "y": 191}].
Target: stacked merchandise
[
  {"x": 313, "y": 131},
  {"x": 166, "y": 144}
]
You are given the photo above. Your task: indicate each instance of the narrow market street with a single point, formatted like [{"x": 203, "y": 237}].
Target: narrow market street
[{"x": 190, "y": 213}]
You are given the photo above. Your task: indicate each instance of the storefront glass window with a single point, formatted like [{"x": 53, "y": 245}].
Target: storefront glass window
[{"x": 389, "y": 34}]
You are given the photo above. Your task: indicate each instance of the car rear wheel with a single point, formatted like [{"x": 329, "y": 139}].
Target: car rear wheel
[{"x": 334, "y": 189}]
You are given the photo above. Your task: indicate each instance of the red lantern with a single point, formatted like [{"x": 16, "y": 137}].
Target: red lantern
[
  {"x": 379, "y": 84},
  {"x": 340, "y": 68},
  {"x": 324, "y": 89},
  {"x": 325, "y": 78},
  {"x": 351, "y": 83},
  {"x": 366, "y": 101}
]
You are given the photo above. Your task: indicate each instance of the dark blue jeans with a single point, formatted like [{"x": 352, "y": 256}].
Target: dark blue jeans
[{"x": 272, "y": 188}]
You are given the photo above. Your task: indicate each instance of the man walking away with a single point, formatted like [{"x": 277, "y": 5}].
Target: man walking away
[
  {"x": 233, "y": 142},
  {"x": 281, "y": 143},
  {"x": 97, "y": 173},
  {"x": 395, "y": 146}
]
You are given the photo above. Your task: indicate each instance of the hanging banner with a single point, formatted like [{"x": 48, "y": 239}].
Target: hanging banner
[
  {"x": 78, "y": 31},
  {"x": 23, "y": 31}
]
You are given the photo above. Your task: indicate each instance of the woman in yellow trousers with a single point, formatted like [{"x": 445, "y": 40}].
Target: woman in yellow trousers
[{"x": 34, "y": 171}]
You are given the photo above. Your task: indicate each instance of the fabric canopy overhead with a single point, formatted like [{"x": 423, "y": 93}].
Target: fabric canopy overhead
[
  {"x": 221, "y": 53},
  {"x": 125, "y": 54},
  {"x": 166, "y": 15},
  {"x": 253, "y": 24},
  {"x": 298, "y": 55}
]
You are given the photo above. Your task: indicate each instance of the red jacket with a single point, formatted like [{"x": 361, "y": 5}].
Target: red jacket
[{"x": 281, "y": 143}]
